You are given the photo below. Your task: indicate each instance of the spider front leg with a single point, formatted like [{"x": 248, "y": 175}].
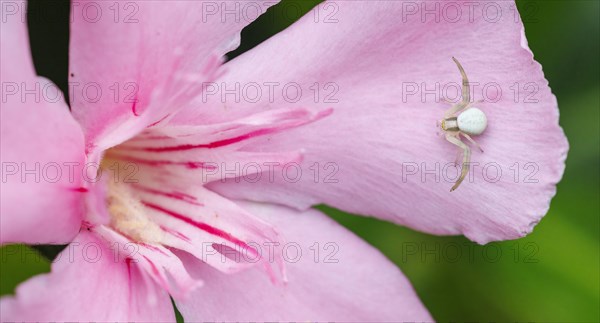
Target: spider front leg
[
  {"x": 466, "y": 158},
  {"x": 466, "y": 92}
]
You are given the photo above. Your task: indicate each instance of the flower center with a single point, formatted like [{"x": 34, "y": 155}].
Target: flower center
[{"x": 127, "y": 213}]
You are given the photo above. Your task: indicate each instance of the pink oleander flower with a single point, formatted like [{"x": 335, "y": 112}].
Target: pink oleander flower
[{"x": 173, "y": 227}]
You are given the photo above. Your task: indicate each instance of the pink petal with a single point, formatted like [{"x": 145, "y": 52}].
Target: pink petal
[
  {"x": 201, "y": 222},
  {"x": 376, "y": 153},
  {"x": 230, "y": 134},
  {"x": 42, "y": 149},
  {"x": 348, "y": 281},
  {"x": 212, "y": 152},
  {"x": 88, "y": 284},
  {"x": 158, "y": 262},
  {"x": 150, "y": 62}
]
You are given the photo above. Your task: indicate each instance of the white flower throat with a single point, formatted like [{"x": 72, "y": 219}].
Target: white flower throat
[{"x": 127, "y": 213}]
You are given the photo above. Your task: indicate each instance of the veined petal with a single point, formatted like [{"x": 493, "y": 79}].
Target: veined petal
[
  {"x": 337, "y": 283},
  {"x": 206, "y": 225},
  {"x": 42, "y": 149},
  {"x": 379, "y": 153},
  {"x": 88, "y": 284},
  {"x": 135, "y": 72},
  {"x": 158, "y": 262},
  {"x": 217, "y": 151},
  {"x": 162, "y": 200},
  {"x": 230, "y": 134}
]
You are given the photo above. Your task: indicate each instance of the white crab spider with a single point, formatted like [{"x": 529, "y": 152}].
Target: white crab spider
[{"x": 462, "y": 119}]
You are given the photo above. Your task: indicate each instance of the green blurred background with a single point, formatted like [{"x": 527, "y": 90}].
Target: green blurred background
[{"x": 551, "y": 275}]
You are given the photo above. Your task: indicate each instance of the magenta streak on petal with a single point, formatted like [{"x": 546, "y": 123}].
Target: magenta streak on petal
[
  {"x": 203, "y": 226},
  {"x": 152, "y": 162},
  {"x": 187, "y": 196},
  {"x": 225, "y": 142},
  {"x": 176, "y": 234},
  {"x": 128, "y": 262},
  {"x": 156, "y": 272},
  {"x": 133, "y": 106},
  {"x": 215, "y": 144},
  {"x": 80, "y": 189},
  {"x": 281, "y": 117},
  {"x": 174, "y": 195},
  {"x": 157, "y": 122}
]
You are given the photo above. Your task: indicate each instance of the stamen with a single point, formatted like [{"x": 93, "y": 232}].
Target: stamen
[{"x": 128, "y": 214}]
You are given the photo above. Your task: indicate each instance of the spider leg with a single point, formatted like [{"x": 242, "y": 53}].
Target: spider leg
[
  {"x": 466, "y": 158},
  {"x": 455, "y": 109},
  {"x": 445, "y": 100},
  {"x": 466, "y": 93},
  {"x": 458, "y": 155},
  {"x": 472, "y": 141}
]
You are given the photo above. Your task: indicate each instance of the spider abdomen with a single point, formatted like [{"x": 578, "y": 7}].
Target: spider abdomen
[{"x": 472, "y": 121}]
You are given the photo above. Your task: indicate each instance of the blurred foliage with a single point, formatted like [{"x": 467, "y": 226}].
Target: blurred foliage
[
  {"x": 17, "y": 263},
  {"x": 551, "y": 275}
]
